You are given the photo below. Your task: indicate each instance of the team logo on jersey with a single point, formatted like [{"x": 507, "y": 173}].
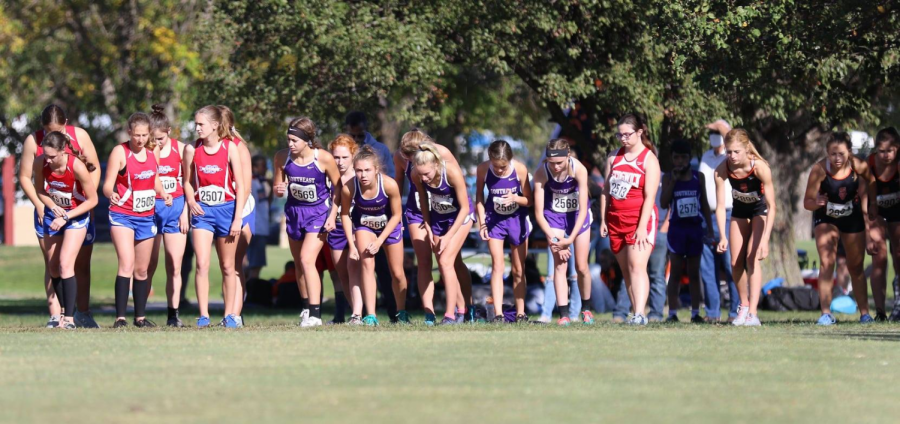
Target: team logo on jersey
[
  {"x": 629, "y": 178},
  {"x": 145, "y": 175},
  {"x": 59, "y": 184},
  {"x": 165, "y": 169},
  {"x": 210, "y": 169},
  {"x": 842, "y": 192},
  {"x": 744, "y": 187}
]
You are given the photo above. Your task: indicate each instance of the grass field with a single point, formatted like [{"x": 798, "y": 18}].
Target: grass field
[{"x": 787, "y": 371}]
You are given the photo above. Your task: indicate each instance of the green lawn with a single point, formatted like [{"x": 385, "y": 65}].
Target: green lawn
[{"x": 788, "y": 371}]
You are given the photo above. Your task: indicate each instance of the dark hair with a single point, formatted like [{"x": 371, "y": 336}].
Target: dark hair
[
  {"x": 500, "y": 150},
  {"x": 60, "y": 141},
  {"x": 309, "y": 127},
  {"x": 258, "y": 158},
  {"x": 214, "y": 114},
  {"x": 367, "y": 153},
  {"x": 53, "y": 114},
  {"x": 158, "y": 118},
  {"x": 138, "y": 118},
  {"x": 681, "y": 147},
  {"x": 838, "y": 138},
  {"x": 888, "y": 134},
  {"x": 638, "y": 123},
  {"x": 356, "y": 119}
]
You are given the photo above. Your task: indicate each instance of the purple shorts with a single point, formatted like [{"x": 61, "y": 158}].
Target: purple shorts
[
  {"x": 301, "y": 220},
  {"x": 566, "y": 221},
  {"x": 337, "y": 240},
  {"x": 413, "y": 214},
  {"x": 685, "y": 239},
  {"x": 395, "y": 237},
  {"x": 514, "y": 229},
  {"x": 441, "y": 226}
]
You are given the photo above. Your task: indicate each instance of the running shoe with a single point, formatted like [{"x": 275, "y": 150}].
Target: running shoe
[
  {"x": 449, "y": 321},
  {"x": 85, "y": 320},
  {"x": 68, "y": 325},
  {"x": 403, "y": 317},
  {"x": 478, "y": 314},
  {"x": 638, "y": 320},
  {"x": 521, "y": 319},
  {"x": 370, "y": 320},
  {"x": 222, "y": 322},
  {"x": 752, "y": 321},
  {"x": 672, "y": 318},
  {"x": 880, "y": 317},
  {"x": 866, "y": 319},
  {"x": 355, "y": 320},
  {"x": 826, "y": 319},
  {"x": 697, "y": 319},
  {"x": 429, "y": 319},
  {"x": 895, "y": 314},
  {"x": 174, "y": 322},
  {"x": 741, "y": 317},
  {"x": 144, "y": 323},
  {"x": 304, "y": 316},
  {"x": 587, "y": 317},
  {"x": 563, "y": 322},
  {"x": 239, "y": 320},
  {"x": 499, "y": 319},
  {"x": 230, "y": 321},
  {"x": 203, "y": 322},
  {"x": 312, "y": 322},
  {"x": 54, "y": 321},
  {"x": 120, "y": 323}
]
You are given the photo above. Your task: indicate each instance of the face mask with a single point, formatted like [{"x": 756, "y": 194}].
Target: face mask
[{"x": 715, "y": 140}]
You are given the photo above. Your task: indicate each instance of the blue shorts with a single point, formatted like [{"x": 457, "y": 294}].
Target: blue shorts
[
  {"x": 38, "y": 224},
  {"x": 75, "y": 223},
  {"x": 91, "y": 233},
  {"x": 215, "y": 219},
  {"x": 143, "y": 226},
  {"x": 166, "y": 217},
  {"x": 249, "y": 220},
  {"x": 685, "y": 239}
]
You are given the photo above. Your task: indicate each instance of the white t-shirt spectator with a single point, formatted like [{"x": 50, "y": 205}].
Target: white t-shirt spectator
[{"x": 708, "y": 165}]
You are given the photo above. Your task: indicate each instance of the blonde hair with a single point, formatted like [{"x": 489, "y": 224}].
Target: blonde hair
[
  {"x": 345, "y": 141},
  {"x": 428, "y": 153},
  {"x": 214, "y": 114},
  {"x": 409, "y": 143},
  {"x": 228, "y": 123},
  {"x": 740, "y": 135}
]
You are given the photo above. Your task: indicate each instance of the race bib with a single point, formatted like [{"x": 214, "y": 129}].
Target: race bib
[
  {"x": 619, "y": 189},
  {"x": 838, "y": 210},
  {"x": 742, "y": 197},
  {"x": 143, "y": 200},
  {"x": 502, "y": 209},
  {"x": 888, "y": 200},
  {"x": 169, "y": 184},
  {"x": 567, "y": 202},
  {"x": 377, "y": 222},
  {"x": 212, "y": 195},
  {"x": 442, "y": 204},
  {"x": 304, "y": 193},
  {"x": 62, "y": 199},
  {"x": 688, "y": 207}
]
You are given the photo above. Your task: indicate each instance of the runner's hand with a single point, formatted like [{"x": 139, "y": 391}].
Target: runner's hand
[
  {"x": 604, "y": 231},
  {"x": 640, "y": 239},
  {"x": 329, "y": 225},
  {"x": 354, "y": 254},
  {"x": 168, "y": 199},
  {"x": 373, "y": 247},
  {"x": 114, "y": 198},
  {"x": 763, "y": 252},
  {"x": 483, "y": 233},
  {"x": 821, "y": 200},
  {"x": 195, "y": 208},
  {"x": 235, "y": 228},
  {"x": 183, "y": 224},
  {"x": 723, "y": 245},
  {"x": 57, "y": 223},
  {"x": 280, "y": 188}
]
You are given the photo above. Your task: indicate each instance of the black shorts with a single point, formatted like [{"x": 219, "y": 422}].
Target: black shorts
[
  {"x": 890, "y": 214},
  {"x": 855, "y": 223},
  {"x": 748, "y": 211}
]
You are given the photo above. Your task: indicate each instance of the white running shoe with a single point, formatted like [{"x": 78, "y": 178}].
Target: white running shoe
[
  {"x": 54, "y": 321},
  {"x": 752, "y": 321},
  {"x": 239, "y": 321},
  {"x": 304, "y": 316},
  {"x": 741, "y": 318},
  {"x": 85, "y": 320},
  {"x": 311, "y": 322},
  {"x": 637, "y": 320}
]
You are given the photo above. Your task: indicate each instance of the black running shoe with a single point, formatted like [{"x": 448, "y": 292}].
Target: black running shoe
[
  {"x": 522, "y": 319},
  {"x": 697, "y": 319},
  {"x": 120, "y": 323},
  {"x": 174, "y": 322},
  {"x": 880, "y": 317},
  {"x": 673, "y": 318},
  {"x": 499, "y": 319},
  {"x": 144, "y": 323},
  {"x": 895, "y": 314}
]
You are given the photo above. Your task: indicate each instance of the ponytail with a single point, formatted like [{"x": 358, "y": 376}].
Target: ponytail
[
  {"x": 158, "y": 122},
  {"x": 228, "y": 123},
  {"x": 638, "y": 124}
]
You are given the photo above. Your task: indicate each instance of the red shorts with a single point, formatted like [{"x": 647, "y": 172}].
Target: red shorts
[
  {"x": 324, "y": 261},
  {"x": 622, "y": 225}
]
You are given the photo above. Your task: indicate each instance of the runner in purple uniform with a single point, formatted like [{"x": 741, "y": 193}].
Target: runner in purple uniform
[
  {"x": 343, "y": 147},
  {"x": 403, "y": 164},
  {"x": 448, "y": 220},
  {"x": 306, "y": 174},
  {"x": 504, "y": 217},
  {"x": 375, "y": 221}
]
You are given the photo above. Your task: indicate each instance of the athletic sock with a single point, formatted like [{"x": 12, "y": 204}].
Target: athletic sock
[
  {"x": 695, "y": 312},
  {"x": 585, "y": 304},
  {"x": 673, "y": 313},
  {"x": 304, "y": 303},
  {"x": 315, "y": 311},
  {"x": 340, "y": 307},
  {"x": 69, "y": 292},
  {"x": 564, "y": 311},
  {"x": 173, "y": 313},
  {"x": 140, "y": 292},
  {"x": 122, "y": 295},
  {"x": 56, "y": 283}
]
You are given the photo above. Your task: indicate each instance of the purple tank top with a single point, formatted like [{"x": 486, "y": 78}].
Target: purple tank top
[
  {"x": 371, "y": 213},
  {"x": 686, "y": 201},
  {"x": 412, "y": 199},
  {"x": 308, "y": 185},
  {"x": 444, "y": 204},
  {"x": 561, "y": 197},
  {"x": 497, "y": 187}
]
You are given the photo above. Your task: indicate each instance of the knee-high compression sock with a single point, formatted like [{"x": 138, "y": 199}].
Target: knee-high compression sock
[
  {"x": 56, "y": 282},
  {"x": 340, "y": 307},
  {"x": 122, "y": 295},
  {"x": 140, "y": 292},
  {"x": 69, "y": 293}
]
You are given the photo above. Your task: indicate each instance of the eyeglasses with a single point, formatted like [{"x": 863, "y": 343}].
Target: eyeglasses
[{"x": 623, "y": 136}]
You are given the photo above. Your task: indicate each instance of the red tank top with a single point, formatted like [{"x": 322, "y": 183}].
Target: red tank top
[
  {"x": 64, "y": 189},
  {"x": 626, "y": 182},
  {"x": 135, "y": 185},
  {"x": 70, "y": 131},
  {"x": 170, "y": 171},
  {"x": 212, "y": 175}
]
